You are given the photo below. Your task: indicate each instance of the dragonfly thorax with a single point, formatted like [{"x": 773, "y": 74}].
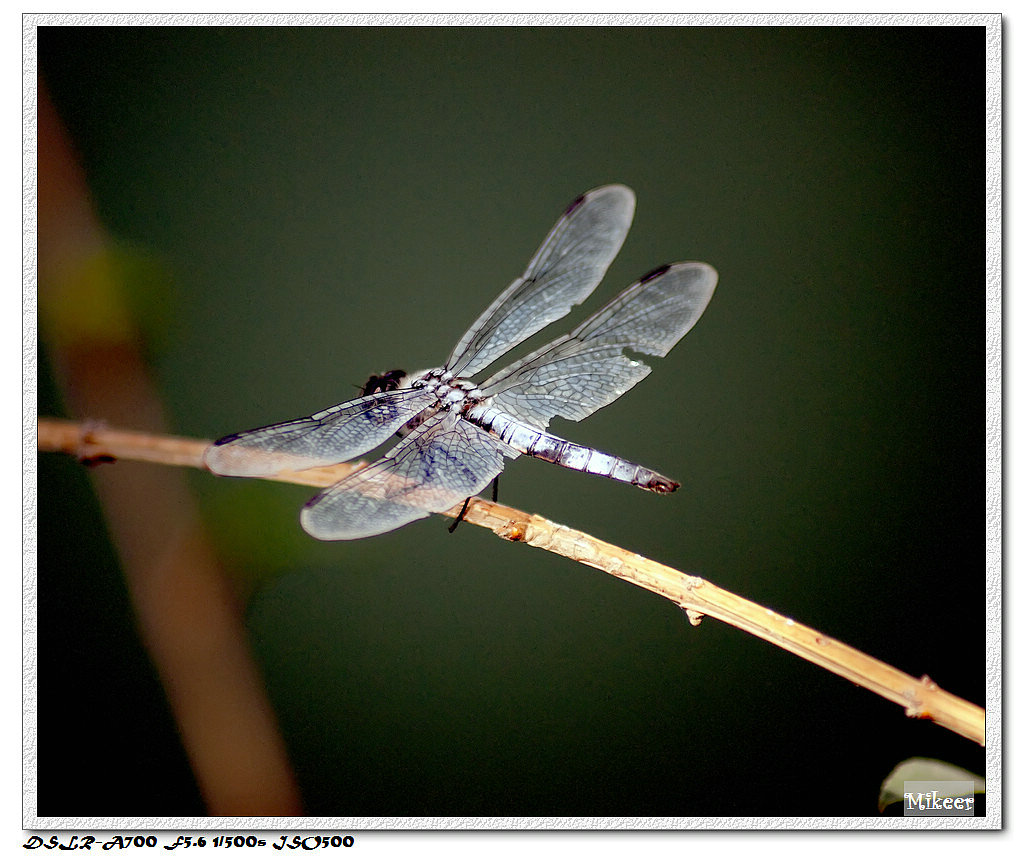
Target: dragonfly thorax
[
  {"x": 428, "y": 379},
  {"x": 452, "y": 392}
]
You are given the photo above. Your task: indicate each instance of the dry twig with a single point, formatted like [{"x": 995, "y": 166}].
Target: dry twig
[{"x": 920, "y": 697}]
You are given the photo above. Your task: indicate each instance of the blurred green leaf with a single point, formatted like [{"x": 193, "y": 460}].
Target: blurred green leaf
[{"x": 926, "y": 770}]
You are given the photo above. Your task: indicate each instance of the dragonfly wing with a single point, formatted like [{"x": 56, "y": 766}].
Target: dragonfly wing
[
  {"x": 337, "y": 434},
  {"x": 588, "y": 368},
  {"x": 437, "y": 466},
  {"x": 563, "y": 273}
]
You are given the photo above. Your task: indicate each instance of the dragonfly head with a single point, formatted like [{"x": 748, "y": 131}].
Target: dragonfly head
[{"x": 386, "y": 382}]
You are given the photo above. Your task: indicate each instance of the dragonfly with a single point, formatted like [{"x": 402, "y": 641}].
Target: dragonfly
[{"x": 455, "y": 435}]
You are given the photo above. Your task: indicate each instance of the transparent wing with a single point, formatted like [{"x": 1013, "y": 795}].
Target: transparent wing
[
  {"x": 587, "y": 368},
  {"x": 337, "y": 434},
  {"x": 439, "y": 464},
  {"x": 565, "y": 270}
]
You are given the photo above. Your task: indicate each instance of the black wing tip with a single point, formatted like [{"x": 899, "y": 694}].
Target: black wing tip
[
  {"x": 223, "y": 441},
  {"x": 604, "y": 188},
  {"x": 654, "y": 274},
  {"x": 576, "y": 203}
]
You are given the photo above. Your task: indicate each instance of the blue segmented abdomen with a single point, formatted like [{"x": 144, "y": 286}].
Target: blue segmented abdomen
[{"x": 555, "y": 450}]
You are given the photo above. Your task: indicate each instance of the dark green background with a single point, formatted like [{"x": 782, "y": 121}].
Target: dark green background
[{"x": 327, "y": 203}]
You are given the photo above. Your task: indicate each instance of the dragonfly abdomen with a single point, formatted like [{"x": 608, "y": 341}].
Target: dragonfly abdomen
[{"x": 555, "y": 450}]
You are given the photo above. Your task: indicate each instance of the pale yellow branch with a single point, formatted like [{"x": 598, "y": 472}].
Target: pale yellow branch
[{"x": 920, "y": 697}]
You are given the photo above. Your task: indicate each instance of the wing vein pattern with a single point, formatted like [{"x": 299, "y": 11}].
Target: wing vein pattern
[
  {"x": 434, "y": 468},
  {"x": 586, "y": 369},
  {"x": 566, "y": 269},
  {"x": 331, "y": 436}
]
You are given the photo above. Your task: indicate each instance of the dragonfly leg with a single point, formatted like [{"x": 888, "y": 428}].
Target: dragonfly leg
[
  {"x": 462, "y": 514},
  {"x": 465, "y": 505}
]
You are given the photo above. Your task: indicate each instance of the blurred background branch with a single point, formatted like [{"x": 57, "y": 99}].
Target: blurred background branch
[{"x": 188, "y": 614}]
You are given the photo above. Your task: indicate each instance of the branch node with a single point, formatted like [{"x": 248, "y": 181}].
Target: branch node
[
  {"x": 89, "y": 449},
  {"x": 511, "y": 530}
]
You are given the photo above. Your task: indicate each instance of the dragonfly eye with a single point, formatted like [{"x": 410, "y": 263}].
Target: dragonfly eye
[{"x": 387, "y": 382}]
